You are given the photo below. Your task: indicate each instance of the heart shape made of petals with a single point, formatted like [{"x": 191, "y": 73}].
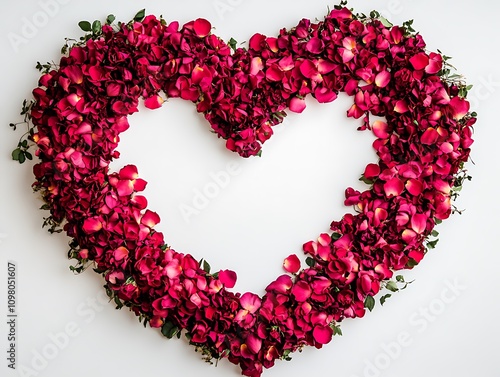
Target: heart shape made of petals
[{"x": 81, "y": 108}]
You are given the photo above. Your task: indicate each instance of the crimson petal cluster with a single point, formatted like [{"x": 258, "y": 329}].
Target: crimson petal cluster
[{"x": 81, "y": 108}]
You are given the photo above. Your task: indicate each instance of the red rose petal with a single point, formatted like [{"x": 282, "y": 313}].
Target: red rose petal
[
  {"x": 292, "y": 264},
  {"x": 202, "y": 27},
  {"x": 322, "y": 334},
  {"x": 228, "y": 278},
  {"x": 419, "y": 61}
]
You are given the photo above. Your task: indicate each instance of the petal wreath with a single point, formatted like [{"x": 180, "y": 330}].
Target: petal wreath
[{"x": 81, "y": 107}]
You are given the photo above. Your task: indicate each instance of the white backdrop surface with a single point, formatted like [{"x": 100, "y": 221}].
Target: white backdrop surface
[{"x": 444, "y": 324}]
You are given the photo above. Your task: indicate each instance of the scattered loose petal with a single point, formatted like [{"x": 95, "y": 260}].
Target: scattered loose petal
[{"x": 292, "y": 264}]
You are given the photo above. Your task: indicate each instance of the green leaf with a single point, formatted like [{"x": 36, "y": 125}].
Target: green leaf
[
  {"x": 369, "y": 303},
  {"x": 432, "y": 244},
  {"x": 118, "y": 303},
  {"x": 434, "y": 233},
  {"x": 110, "y": 19},
  {"x": 232, "y": 43},
  {"x": 22, "y": 157},
  {"x": 366, "y": 180},
  {"x": 85, "y": 26},
  {"x": 392, "y": 286},
  {"x": 206, "y": 267},
  {"x": 28, "y": 155},
  {"x": 310, "y": 262},
  {"x": 169, "y": 330},
  {"x": 96, "y": 27},
  {"x": 385, "y": 22},
  {"x": 400, "y": 278},
  {"x": 411, "y": 263},
  {"x": 336, "y": 236},
  {"x": 16, "y": 153},
  {"x": 384, "y": 298},
  {"x": 140, "y": 15}
]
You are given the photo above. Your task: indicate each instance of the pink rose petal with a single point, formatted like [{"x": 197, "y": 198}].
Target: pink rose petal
[
  {"x": 301, "y": 291},
  {"x": 120, "y": 253},
  {"x": 150, "y": 219},
  {"x": 460, "y": 107},
  {"x": 228, "y": 278},
  {"x": 380, "y": 129},
  {"x": 153, "y": 102},
  {"x": 419, "y": 223},
  {"x": 382, "y": 79},
  {"x": 393, "y": 187},
  {"x": 292, "y": 264},
  {"x": 430, "y": 136},
  {"x": 297, "y": 105}
]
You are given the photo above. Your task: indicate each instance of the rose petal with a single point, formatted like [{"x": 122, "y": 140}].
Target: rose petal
[
  {"x": 129, "y": 172},
  {"x": 419, "y": 61},
  {"x": 460, "y": 107},
  {"x": 382, "y": 79},
  {"x": 380, "y": 129},
  {"x": 414, "y": 187},
  {"x": 297, "y": 105},
  {"x": 92, "y": 225},
  {"x": 202, "y": 27},
  {"x": 120, "y": 253},
  {"x": 430, "y": 136},
  {"x": 153, "y": 102},
  {"x": 371, "y": 171},
  {"x": 322, "y": 334},
  {"x": 315, "y": 45},
  {"x": 419, "y": 222},
  {"x": 228, "y": 278},
  {"x": 302, "y": 291},
  {"x": 393, "y": 187},
  {"x": 150, "y": 219},
  {"x": 254, "y": 344},
  {"x": 324, "y": 95},
  {"x": 292, "y": 264},
  {"x": 281, "y": 285},
  {"x": 250, "y": 302}
]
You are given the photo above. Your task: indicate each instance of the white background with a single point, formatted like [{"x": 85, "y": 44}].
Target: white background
[{"x": 267, "y": 211}]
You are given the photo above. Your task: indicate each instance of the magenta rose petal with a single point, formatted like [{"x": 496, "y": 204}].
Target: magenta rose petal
[{"x": 228, "y": 278}]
